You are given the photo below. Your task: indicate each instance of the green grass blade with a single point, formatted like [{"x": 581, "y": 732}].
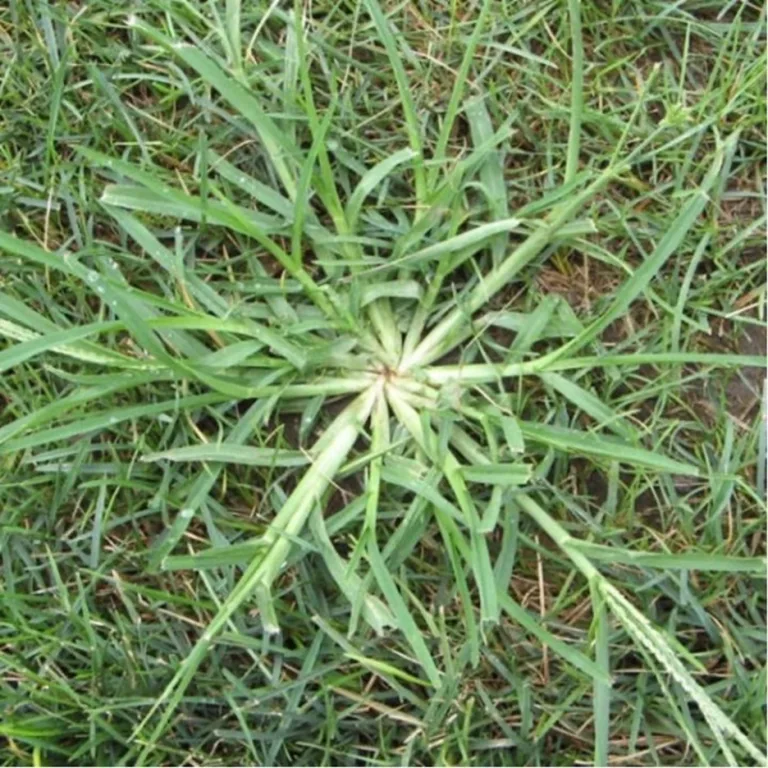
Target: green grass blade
[
  {"x": 649, "y": 638},
  {"x": 654, "y": 642},
  {"x": 601, "y": 703},
  {"x": 394, "y": 289},
  {"x": 498, "y": 474},
  {"x": 262, "y": 193},
  {"x": 448, "y": 465},
  {"x": 60, "y": 340},
  {"x": 439, "y": 340},
  {"x": 532, "y": 625},
  {"x": 572, "y": 440},
  {"x": 589, "y": 403},
  {"x": 109, "y": 418},
  {"x": 577, "y": 90},
  {"x": 668, "y": 244},
  {"x": 457, "y": 94},
  {"x": 686, "y": 561},
  {"x": 491, "y": 171},
  {"x": 403, "y": 618},
  {"x": 351, "y": 585},
  {"x": 373, "y": 177},
  {"x": 412, "y": 124},
  {"x": 277, "y": 543},
  {"x": 201, "y": 487},
  {"x": 280, "y": 151},
  {"x": 481, "y": 373},
  {"x": 229, "y": 453},
  {"x": 213, "y": 557},
  {"x": 472, "y": 237},
  {"x": 81, "y": 396}
]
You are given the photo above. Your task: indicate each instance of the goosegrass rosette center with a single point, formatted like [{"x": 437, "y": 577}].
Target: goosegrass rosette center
[{"x": 375, "y": 307}]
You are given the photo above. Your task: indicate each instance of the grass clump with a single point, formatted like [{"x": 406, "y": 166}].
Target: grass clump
[{"x": 297, "y": 426}]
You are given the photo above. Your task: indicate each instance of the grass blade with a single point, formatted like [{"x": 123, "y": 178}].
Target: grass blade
[
  {"x": 409, "y": 110},
  {"x": 686, "y": 561},
  {"x": 498, "y": 474},
  {"x": 668, "y": 244},
  {"x": 402, "y": 615},
  {"x": 649, "y": 638},
  {"x": 601, "y": 704},
  {"x": 589, "y": 403},
  {"x": 439, "y": 341},
  {"x": 351, "y": 585},
  {"x": 480, "y": 559},
  {"x": 571, "y": 655},
  {"x": 213, "y": 557},
  {"x": 472, "y": 237},
  {"x": 654, "y": 643},
  {"x": 457, "y": 94},
  {"x": 577, "y": 90},
  {"x": 373, "y": 177},
  {"x": 340, "y": 438},
  {"x": 232, "y": 453},
  {"x": 572, "y": 440},
  {"x": 280, "y": 151},
  {"x": 58, "y": 341},
  {"x": 440, "y": 375},
  {"x": 491, "y": 171}
]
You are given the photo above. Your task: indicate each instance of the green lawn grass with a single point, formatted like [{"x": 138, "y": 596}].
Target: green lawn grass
[{"x": 381, "y": 384}]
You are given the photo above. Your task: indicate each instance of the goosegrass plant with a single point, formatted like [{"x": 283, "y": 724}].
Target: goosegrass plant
[{"x": 375, "y": 315}]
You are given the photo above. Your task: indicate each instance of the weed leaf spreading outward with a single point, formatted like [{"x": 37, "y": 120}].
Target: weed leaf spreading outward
[{"x": 354, "y": 354}]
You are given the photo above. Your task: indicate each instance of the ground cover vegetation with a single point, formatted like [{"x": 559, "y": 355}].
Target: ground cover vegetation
[{"x": 381, "y": 383}]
